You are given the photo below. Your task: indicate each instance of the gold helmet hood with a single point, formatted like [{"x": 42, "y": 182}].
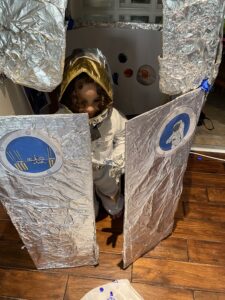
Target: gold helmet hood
[{"x": 89, "y": 61}]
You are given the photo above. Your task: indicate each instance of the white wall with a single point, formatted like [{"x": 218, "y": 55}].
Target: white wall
[
  {"x": 141, "y": 47},
  {"x": 13, "y": 100}
]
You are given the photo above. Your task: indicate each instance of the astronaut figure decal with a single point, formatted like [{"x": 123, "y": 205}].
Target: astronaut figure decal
[
  {"x": 175, "y": 130},
  {"x": 177, "y": 135}
]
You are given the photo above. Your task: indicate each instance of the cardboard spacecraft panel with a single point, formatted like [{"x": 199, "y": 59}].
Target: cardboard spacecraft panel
[
  {"x": 45, "y": 163},
  {"x": 157, "y": 148},
  {"x": 192, "y": 35},
  {"x": 32, "y": 42}
]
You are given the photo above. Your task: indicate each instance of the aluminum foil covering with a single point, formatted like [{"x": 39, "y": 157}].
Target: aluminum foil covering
[
  {"x": 122, "y": 25},
  {"x": 157, "y": 148},
  {"x": 46, "y": 186},
  {"x": 192, "y": 34},
  {"x": 32, "y": 42}
]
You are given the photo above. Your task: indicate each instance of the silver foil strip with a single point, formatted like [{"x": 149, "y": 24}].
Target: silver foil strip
[
  {"x": 32, "y": 42},
  {"x": 192, "y": 33},
  {"x": 122, "y": 25},
  {"x": 46, "y": 186},
  {"x": 157, "y": 148}
]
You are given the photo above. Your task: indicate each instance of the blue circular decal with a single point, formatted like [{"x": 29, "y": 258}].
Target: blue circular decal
[
  {"x": 174, "y": 132},
  {"x": 30, "y": 154}
]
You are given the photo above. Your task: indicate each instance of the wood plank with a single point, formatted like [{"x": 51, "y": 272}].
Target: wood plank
[
  {"x": 205, "y": 212},
  {"x": 107, "y": 224},
  {"x": 199, "y": 230},
  {"x": 11, "y": 298},
  {"x": 216, "y": 195},
  {"x": 194, "y": 194},
  {"x": 13, "y": 255},
  {"x": 170, "y": 248},
  {"x": 151, "y": 292},
  {"x": 110, "y": 242},
  {"x": 77, "y": 287},
  {"x": 110, "y": 267},
  {"x": 32, "y": 285},
  {"x": 205, "y": 165},
  {"x": 198, "y": 295},
  {"x": 180, "y": 211},
  {"x": 206, "y": 252},
  {"x": 3, "y": 213},
  {"x": 179, "y": 274},
  {"x": 207, "y": 179},
  {"x": 8, "y": 231}
]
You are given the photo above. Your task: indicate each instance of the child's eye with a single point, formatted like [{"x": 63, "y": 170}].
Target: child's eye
[{"x": 97, "y": 100}]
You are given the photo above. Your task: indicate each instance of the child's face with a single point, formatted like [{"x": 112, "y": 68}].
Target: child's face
[{"x": 87, "y": 99}]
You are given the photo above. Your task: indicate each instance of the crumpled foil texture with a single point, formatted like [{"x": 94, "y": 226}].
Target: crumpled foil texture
[
  {"x": 192, "y": 34},
  {"x": 32, "y": 42},
  {"x": 154, "y": 177},
  {"x": 54, "y": 214},
  {"x": 121, "y": 25}
]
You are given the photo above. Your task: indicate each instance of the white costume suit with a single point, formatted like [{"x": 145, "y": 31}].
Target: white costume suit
[{"x": 108, "y": 146}]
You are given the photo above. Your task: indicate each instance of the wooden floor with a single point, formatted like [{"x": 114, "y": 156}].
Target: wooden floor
[{"x": 190, "y": 264}]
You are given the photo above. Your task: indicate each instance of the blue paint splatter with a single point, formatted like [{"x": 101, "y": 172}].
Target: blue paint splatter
[
  {"x": 101, "y": 289},
  {"x": 199, "y": 158}
]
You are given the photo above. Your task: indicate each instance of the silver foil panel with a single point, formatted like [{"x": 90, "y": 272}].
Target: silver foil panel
[
  {"x": 46, "y": 187},
  {"x": 157, "y": 148},
  {"x": 32, "y": 42},
  {"x": 122, "y": 25},
  {"x": 192, "y": 33}
]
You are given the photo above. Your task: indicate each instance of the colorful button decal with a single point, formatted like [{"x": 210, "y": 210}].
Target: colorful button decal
[
  {"x": 146, "y": 75},
  {"x": 128, "y": 73},
  {"x": 122, "y": 58}
]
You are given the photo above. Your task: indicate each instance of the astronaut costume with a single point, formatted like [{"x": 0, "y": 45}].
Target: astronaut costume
[{"x": 107, "y": 129}]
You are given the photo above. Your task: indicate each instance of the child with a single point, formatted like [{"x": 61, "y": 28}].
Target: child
[{"x": 87, "y": 88}]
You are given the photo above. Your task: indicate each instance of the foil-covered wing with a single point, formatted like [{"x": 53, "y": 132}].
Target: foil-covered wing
[
  {"x": 32, "y": 42},
  {"x": 192, "y": 33},
  {"x": 46, "y": 187},
  {"x": 157, "y": 148}
]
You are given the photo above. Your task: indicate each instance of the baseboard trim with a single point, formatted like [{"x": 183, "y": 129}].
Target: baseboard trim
[{"x": 208, "y": 148}]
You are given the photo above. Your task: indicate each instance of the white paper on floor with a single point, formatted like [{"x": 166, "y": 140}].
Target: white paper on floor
[{"x": 116, "y": 290}]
